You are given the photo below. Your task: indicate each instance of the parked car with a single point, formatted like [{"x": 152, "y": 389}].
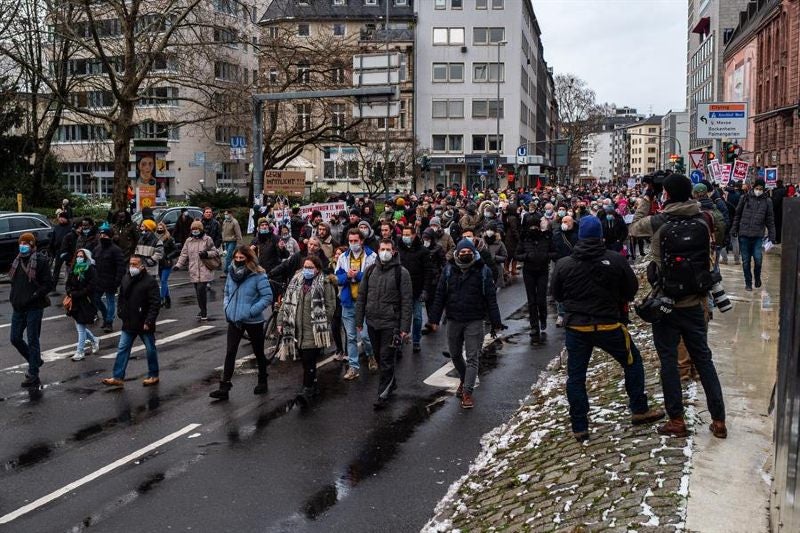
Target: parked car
[
  {"x": 169, "y": 215},
  {"x": 12, "y": 225}
]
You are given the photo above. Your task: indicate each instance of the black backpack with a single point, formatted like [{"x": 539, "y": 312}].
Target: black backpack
[{"x": 685, "y": 256}]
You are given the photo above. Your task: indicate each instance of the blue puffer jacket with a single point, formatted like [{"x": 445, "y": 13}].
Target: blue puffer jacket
[{"x": 246, "y": 301}]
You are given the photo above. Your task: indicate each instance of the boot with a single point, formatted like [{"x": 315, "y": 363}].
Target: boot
[
  {"x": 222, "y": 392},
  {"x": 167, "y": 302},
  {"x": 262, "y": 387},
  {"x": 536, "y": 337},
  {"x": 675, "y": 427},
  {"x": 718, "y": 429}
]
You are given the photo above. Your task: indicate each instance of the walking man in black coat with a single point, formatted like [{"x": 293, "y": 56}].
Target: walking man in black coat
[{"x": 110, "y": 263}]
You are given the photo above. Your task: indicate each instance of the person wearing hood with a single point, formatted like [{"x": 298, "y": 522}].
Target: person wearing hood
[
  {"x": 536, "y": 249},
  {"x": 385, "y": 303},
  {"x": 125, "y": 234},
  {"x": 139, "y": 303},
  {"x": 754, "y": 216},
  {"x": 31, "y": 282},
  {"x": 80, "y": 288},
  {"x": 492, "y": 237},
  {"x": 442, "y": 238},
  {"x": 436, "y": 258},
  {"x": 199, "y": 247},
  {"x": 415, "y": 259},
  {"x": 265, "y": 245},
  {"x": 368, "y": 233},
  {"x": 183, "y": 228},
  {"x": 467, "y": 294},
  {"x": 110, "y": 265},
  {"x": 60, "y": 231},
  {"x": 595, "y": 285},
  {"x": 687, "y": 319}
]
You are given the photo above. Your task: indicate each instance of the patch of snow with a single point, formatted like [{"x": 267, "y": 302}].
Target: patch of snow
[
  {"x": 523, "y": 478},
  {"x": 653, "y": 521}
]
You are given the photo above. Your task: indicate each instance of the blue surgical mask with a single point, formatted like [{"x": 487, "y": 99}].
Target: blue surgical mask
[
  {"x": 24, "y": 249},
  {"x": 263, "y": 231},
  {"x": 355, "y": 248},
  {"x": 85, "y": 231},
  {"x": 309, "y": 273},
  {"x": 196, "y": 233},
  {"x": 608, "y": 208},
  {"x": 609, "y": 217},
  {"x": 407, "y": 240},
  {"x": 80, "y": 260}
]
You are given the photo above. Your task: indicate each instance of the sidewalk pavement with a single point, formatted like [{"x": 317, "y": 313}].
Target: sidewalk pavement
[{"x": 533, "y": 476}]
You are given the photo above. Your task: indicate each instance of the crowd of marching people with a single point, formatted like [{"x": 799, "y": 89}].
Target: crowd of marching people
[{"x": 373, "y": 279}]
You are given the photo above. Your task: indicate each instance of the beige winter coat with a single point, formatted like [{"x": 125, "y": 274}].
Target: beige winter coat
[{"x": 190, "y": 254}]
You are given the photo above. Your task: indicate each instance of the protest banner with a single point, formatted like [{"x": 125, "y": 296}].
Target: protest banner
[
  {"x": 289, "y": 182},
  {"x": 740, "y": 169}
]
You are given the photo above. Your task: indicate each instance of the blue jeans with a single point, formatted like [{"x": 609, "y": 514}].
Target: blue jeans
[
  {"x": 579, "y": 349},
  {"x": 416, "y": 322},
  {"x": 688, "y": 323},
  {"x": 31, "y": 351},
  {"x": 107, "y": 309},
  {"x": 165, "y": 272},
  {"x": 751, "y": 247},
  {"x": 349, "y": 321},
  {"x": 124, "y": 353},
  {"x": 84, "y": 334},
  {"x": 230, "y": 246}
]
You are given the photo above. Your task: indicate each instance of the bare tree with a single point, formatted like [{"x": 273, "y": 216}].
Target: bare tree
[{"x": 578, "y": 114}]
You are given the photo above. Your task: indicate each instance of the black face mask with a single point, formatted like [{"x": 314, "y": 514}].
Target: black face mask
[
  {"x": 238, "y": 264},
  {"x": 105, "y": 243}
]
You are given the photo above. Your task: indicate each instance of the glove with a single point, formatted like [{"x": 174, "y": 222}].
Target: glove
[
  {"x": 499, "y": 327},
  {"x": 203, "y": 255}
]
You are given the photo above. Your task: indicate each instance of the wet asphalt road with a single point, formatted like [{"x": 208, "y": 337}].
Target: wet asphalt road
[{"x": 253, "y": 463}]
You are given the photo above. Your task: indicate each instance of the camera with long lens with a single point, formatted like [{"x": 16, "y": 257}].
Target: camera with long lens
[{"x": 721, "y": 300}]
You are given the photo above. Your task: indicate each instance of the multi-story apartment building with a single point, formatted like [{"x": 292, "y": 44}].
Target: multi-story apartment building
[
  {"x": 598, "y": 150},
  {"x": 675, "y": 136},
  {"x": 482, "y": 89},
  {"x": 710, "y": 25},
  {"x": 761, "y": 66},
  {"x": 644, "y": 152},
  {"x": 309, "y": 45},
  {"x": 214, "y": 63}
]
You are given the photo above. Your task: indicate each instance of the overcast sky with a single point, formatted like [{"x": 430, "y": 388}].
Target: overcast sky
[{"x": 631, "y": 52}]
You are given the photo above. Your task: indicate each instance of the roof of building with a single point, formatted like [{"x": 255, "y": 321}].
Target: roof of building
[
  {"x": 654, "y": 120},
  {"x": 355, "y": 10},
  {"x": 750, "y": 21}
]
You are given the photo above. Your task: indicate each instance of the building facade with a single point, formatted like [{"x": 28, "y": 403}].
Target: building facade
[
  {"x": 675, "y": 137},
  {"x": 645, "y": 139},
  {"x": 711, "y": 24},
  {"x": 483, "y": 89}
]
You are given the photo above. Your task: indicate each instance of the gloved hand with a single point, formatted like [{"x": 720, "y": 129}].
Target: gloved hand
[
  {"x": 203, "y": 255},
  {"x": 499, "y": 327}
]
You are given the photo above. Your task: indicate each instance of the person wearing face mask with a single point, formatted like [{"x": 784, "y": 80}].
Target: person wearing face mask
[
  {"x": 754, "y": 217},
  {"x": 87, "y": 237},
  {"x": 305, "y": 319},
  {"x": 492, "y": 237},
  {"x": 165, "y": 264},
  {"x": 284, "y": 271},
  {"x": 385, "y": 305},
  {"x": 511, "y": 238},
  {"x": 139, "y": 303},
  {"x": 437, "y": 259},
  {"x": 183, "y": 228},
  {"x": 31, "y": 282},
  {"x": 536, "y": 250},
  {"x": 369, "y": 235},
  {"x": 231, "y": 238},
  {"x": 443, "y": 238},
  {"x": 414, "y": 258},
  {"x": 110, "y": 265},
  {"x": 149, "y": 249},
  {"x": 247, "y": 295},
  {"x": 286, "y": 243},
  {"x": 125, "y": 234},
  {"x": 615, "y": 231},
  {"x": 80, "y": 288},
  {"x": 198, "y": 247},
  {"x": 60, "y": 231},
  {"x": 467, "y": 294},
  {"x": 349, "y": 272},
  {"x": 265, "y": 245},
  {"x": 565, "y": 236}
]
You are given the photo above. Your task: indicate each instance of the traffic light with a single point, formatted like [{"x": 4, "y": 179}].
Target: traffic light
[
  {"x": 680, "y": 166},
  {"x": 731, "y": 151},
  {"x": 711, "y": 155},
  {"x": 425, "y": 163}
]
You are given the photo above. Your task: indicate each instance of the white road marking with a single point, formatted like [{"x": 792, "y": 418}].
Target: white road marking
[
  {"x": 165, "y": 340},
  {"x": 44, "y": 319},
  {"x": 441, "y": 380},
  {"x": 242, "y": 360},
  {"x": 94, "y": 475}
]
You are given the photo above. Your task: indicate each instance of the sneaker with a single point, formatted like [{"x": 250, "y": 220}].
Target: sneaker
[
  {"x": 203, "y": 318},
  {"x": 542, "y": 336},
  {"x": 351, "y": 374},
  {"x": 460, "y": 390},
  {"x": 758, "y": 283},
  {"x": 560, "y": 321},
  {"x": 30, "y": 382},
  {"x": 96, "y": 346},
  {"x": 542, "y": 326},
  {"x": 219, "y": 394},
  {"x": 718, "y": 429},
  {"x": 675, "y": 427},
  {"x": 748, "y": 288},
  {"x": 647, "y": 418},
  {"x": 373, "y": 364},
  {"x": 150, "y": 381},
  {"x": 113, "y": 382},
  {"x": 79, "y": 356},
  {"x": 416, "y": 349},
  {"x": 581, "y": 436},
  {"x": 466, "y": 401}
]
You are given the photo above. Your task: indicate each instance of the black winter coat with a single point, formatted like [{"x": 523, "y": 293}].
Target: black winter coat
[
  {"x": 415, "y": 259},
  {"x": 212, "y": 228},
  {"x": 565, "y": 241},
  {"x": 139, "y": 303},
  {"x": 27, "y": 295},
  {"x": 466, "y": 295},
  {"x": 109, "y": 261},
  {"x": 267, "y": 251},
  {"x": 536, "y": 249},
  {"x": 59, "y": 232},
  {"x": 594, "y": 284},
  {"x": 615, "y": 232},
  {"x": 82, "y": 290},
  {"x": 437, "y": 259}
]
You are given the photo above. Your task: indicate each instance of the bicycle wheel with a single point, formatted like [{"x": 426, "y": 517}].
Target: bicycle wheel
[{"x": 272, "y": 339}]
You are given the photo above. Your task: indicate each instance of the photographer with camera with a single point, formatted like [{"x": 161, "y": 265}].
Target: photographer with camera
[
  {"x": 594, "y": 285},
  {"x": 385, "y": 301},
  {"x": 681, "y": 271}
]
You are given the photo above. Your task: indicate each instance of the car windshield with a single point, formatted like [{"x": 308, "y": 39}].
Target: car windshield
[{"x": 137, "y": 217}]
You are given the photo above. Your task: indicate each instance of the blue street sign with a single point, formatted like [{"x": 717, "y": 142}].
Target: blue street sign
[
  {"x": 483, "y": 173},
  {"x": 522, "y": 151},
  {"x": 238, "y": 142},
  {"x": 696, "y": 176}
]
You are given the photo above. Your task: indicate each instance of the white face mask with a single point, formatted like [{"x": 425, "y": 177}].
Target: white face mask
[
  {"x": 564, "y": 227},
  {"x": 134, "y": 271},
  {"x": 385, "y": 256},
  {"x": 758, "y": 192},
  {"x": 489, "y": 233}
]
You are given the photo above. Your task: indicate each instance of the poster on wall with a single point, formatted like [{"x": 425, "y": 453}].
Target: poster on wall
[{"x": 145, "y": 183}]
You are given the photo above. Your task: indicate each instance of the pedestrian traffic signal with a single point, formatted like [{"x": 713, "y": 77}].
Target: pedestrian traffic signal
[{"x": 680, "y": 165}]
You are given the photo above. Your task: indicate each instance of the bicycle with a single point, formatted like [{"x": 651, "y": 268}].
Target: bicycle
[{"x": 272, "y": 339}]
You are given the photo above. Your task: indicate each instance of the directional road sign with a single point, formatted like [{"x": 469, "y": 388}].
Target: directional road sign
[
  {"x": 722, "y": 120},
  {"x": 696, "y": 176},
  {"x": 697, "y": 158}
]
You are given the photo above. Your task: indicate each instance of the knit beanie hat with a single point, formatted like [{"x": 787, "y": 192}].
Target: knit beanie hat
[
  {"x": 464, "y": 243},
  {"x": 679, "y": 187},
  {"x": 149, "y": 224},
  {"x": 759, "y": 183},
  {"x": 105, "y": 228},
  {"x": 28, "y": 237},
  {"x": 590, "y": 228},
  {"x": 435, "y": 221}
]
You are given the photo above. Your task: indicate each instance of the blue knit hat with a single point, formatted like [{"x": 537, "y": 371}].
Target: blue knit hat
[
  {"x": 590, "y": 228},
  {"x": 464, "y": 243}
]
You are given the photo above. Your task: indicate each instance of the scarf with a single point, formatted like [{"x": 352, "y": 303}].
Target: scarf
[
  {"x": 289, "y": 311},
  {"x": 79, "y": 269},
  {"x": 30, "y": 268}
]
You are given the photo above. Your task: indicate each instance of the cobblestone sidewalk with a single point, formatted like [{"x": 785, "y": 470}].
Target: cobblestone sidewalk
[{"x": 533, "y": 476}]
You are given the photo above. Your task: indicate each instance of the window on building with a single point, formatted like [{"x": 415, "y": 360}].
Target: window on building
[
  {"x": 273, "y": 32},
  {"x": 448, "y": 72},
  {"x": 339, "y": 2},
  {"x": 487, "y": 108},
  {"x": 370, "y": 2},
  {"x": 498, "y": 4},
  {"x": 402, "y": 117},
  {"x": 481, "y": 4},
  {"x": 303, "y": 73},
  {"x": 440, "y": 4},
  {"x": 226, "y": 71},
  {"x": 488, "y": 72},
  {"x": 338, "y": 29},
  {"x": 448, "y": 143},
  {"x": 486, "y": 143},
  {"x": 159, "y": 96},
  {"x": 303, "y": 116},
  {"x": 338, "y": 116},
  {"x": 456, "y": 4},
  {"x": 448, "y": 36},
  {"x": 273, "y": 75},
  {"x": 303, "y": 30},
  {"x": 448, "y": 108},
  {"x": 484, "y": 36},
  {"x": 338, "y": 74},
  {"x": 156, "y": 130}
]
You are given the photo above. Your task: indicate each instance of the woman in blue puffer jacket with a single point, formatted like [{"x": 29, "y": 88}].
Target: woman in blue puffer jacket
[{"x": 247, "y": 296}]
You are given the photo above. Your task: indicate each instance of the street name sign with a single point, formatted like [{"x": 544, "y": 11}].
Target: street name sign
[{"x": 722, "y": 120}]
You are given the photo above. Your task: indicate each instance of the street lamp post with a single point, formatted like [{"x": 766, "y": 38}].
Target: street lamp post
[{"x": 497, "y": 113}]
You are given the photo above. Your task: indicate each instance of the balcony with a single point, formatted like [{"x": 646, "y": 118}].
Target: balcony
[{"x": 375, "y": 35}]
